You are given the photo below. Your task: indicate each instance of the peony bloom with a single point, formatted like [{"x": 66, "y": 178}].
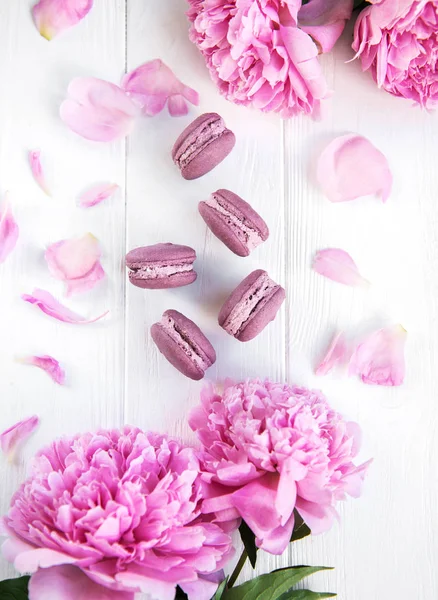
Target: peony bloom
[
  {"x": 270, "y": 448},
  {"x": 398, "y": 41},
  {"x": 119, "y": 511},
  {"x": 264, "y": 53}
]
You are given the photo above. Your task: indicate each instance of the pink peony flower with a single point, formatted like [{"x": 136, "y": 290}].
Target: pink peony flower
[
  {"x": 397, "y": 40},
  {"x": 270, "y": 448},
  {"x": 123, "y": 508},
  {"x": 260, "y": 54}
]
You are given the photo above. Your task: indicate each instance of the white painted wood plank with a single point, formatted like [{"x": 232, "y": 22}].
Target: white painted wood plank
[
  {"x": 162, "y": 207},
  {"x": 35, "y": 75}
]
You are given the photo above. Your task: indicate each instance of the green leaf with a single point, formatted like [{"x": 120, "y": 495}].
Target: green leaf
[
  {"x": 305, "y": 595},
  {"x": 248, "y": 539},
  {"x": 14, "y": 589},
  {"x": 272, "y": 585},
  {"x": 300, "y": 528},
  {"x": 220, "y": 590}
]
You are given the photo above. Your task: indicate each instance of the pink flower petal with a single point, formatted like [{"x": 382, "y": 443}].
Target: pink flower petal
[
  {"x": 76, "y": 262},
  {"x": 48, "y": 364},
  {"x": 97, "y": 194},
  {"x": 70, "y": 583},
  {"x": 37, "y": 170},
  {"x": 15, "y": 436},
  {"x": 51, "y": 307},
  {"x": 153, "y": 84},
  {"x": 336, "y": 354},
  {"x": 8, "y": 231},
  {"x": 338, "y": 265},
  {"x": 53, "y": 16},
  {"x": 351, "y": 167},
  {"x": 98, "y": 110},
  {"x": 324, "y": 20},
  {"x": 380, "y": 358}
]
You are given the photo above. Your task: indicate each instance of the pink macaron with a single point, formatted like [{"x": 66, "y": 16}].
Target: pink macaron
[
  {"x": 234, "y": 222},
  {"x": 253, "y": 304},
  {"x": 161, "y": 266},
  {"x": 202, "y": 146},
  {"x": 183, "y": 344}
]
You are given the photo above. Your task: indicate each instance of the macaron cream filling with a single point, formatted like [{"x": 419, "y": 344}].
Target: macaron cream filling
[
  {"x": 194, "y": 145},
  {"x": 257, "y": 295},
  {"x": 246, "y": 234},
  {"x": 155, "y": 272},
  {"x": 192, "y": 350}
]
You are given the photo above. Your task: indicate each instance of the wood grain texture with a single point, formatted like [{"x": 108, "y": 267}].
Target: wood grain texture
[{"x": 385, "y": 545}]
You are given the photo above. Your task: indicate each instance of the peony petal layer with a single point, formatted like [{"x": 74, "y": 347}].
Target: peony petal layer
[
  {"x": 48, "y": 364},
  {"x": 51, "y": 307},
  {"x": 351, "y": 167},
  {"x": 70, "y": 583},
  {"x": 380, "y": 359},
  {"x": 97, "y": 194},
  {"x": 8, "y": 231},
  {"x": 76, "y": 262},
  {"x": 153, "y": 84},
  {"x": 98, "y": 110},
  {"x": 336, "y": 264},
  {"x": 54, "y": 16},
  {"x": 324, "y": 20},
  {"x": 17, "y": 434}
]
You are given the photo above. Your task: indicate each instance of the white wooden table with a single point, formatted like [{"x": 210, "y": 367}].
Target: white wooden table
[{"x": 386, "y": 545}]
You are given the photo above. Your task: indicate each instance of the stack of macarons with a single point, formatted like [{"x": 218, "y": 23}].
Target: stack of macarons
[{"x": 255, "y": 301}]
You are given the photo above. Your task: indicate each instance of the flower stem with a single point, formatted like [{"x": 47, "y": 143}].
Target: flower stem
[{"x": 235, "y": 574}]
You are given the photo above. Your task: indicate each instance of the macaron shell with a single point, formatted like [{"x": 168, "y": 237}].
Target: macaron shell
[
  {"x": 241, "y": 208},
  {"x": 237, "y": 294},
  {"x": 262, "y": 316},
  {"x": 160, "y": 253},
  {"x": 221, "y": 230},
  {"x": 163, "y": 283},
  {"x": 210, "y": 156},
  {"x": 193, "y": 332},
  {"x": 198, "y": 123},
  {"x": 174, "y": 354}
]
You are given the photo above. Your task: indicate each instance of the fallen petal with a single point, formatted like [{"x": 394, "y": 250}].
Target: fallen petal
[
  {"x": 336, "y": 264},
  {"x": 53, "y": 16},
  {"x": 98, "y": 110},
  {"x": 37, "y": 170},
  {"x": 48, "y": 364},
  {"x": 51, "y": 307},
  {"x": 8, "y": 231},
  {"x": 336, "y": 354},
  {"x": 153, "y": 84},
  {"x": 324, "y": 20},
  {"x": 15, "y": 436},
  {"x": 97, "y": 194},
  {"x": 70, "y": 583},
  {"x": 76, "y": 262},
  {"x": 380, "y": 359},
  {"x": 351, "y": 167}
]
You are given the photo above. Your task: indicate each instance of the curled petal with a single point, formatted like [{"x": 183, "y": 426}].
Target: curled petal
[
  {"x": 97, "y": 194},
  {"x": 336, "y": 354},
  {"x": 153, "y": 84},
  {"x": 37, "y": 170},
  {"x": 380, "y": 359},
  {"x": 76, "y": 262},
  {"x": 8, "y": 231},
  {"x": 48, "y": 364},
  {"x": 324, "y": 20},
  {"x": 70, "y": 583},
  {"x": 15, "y": 436},
  {"x": 51, "y": 307},
  {"x": 338, "y": 265},
  {"x": 53, "y": 16},
  {"x": 351, "y": 167},
  {"x": 97, "y": 110}
]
